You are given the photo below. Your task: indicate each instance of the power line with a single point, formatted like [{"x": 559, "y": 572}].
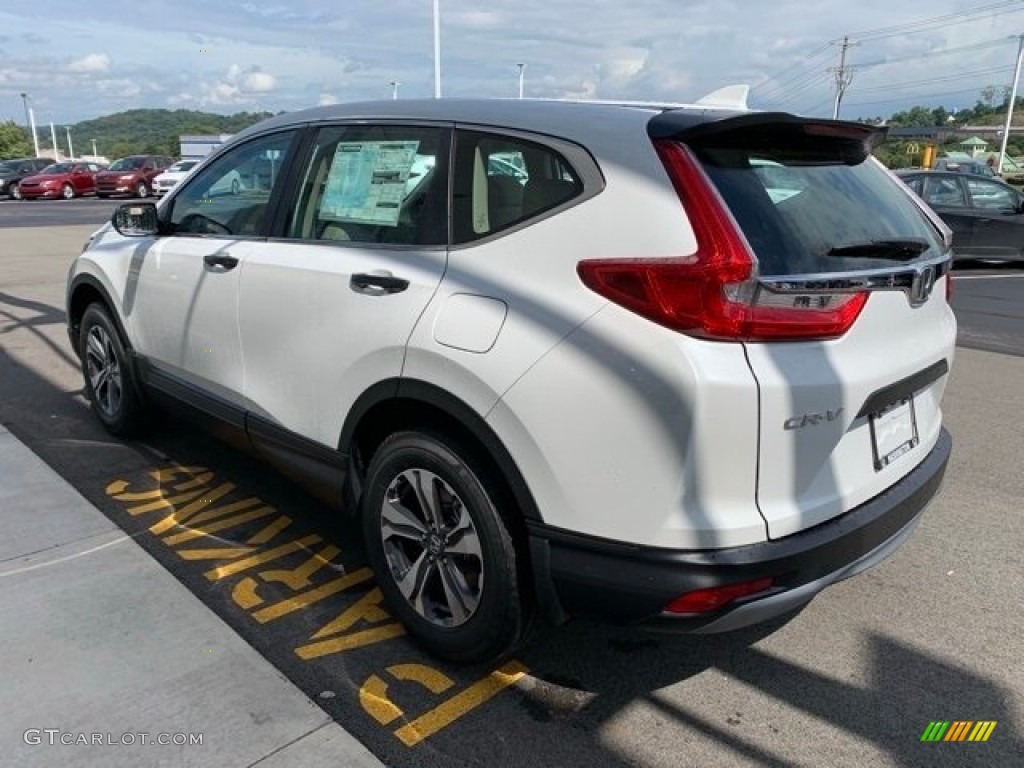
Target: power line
[
  {"x": 800, "y": 81},
  {"x": 939, "y": 52},
  {"x": 936, "y": 22},
  {"x": 918, "y": 96},
  {"x": 932, "y": 80},
  {"x": 775, "y": 81}
]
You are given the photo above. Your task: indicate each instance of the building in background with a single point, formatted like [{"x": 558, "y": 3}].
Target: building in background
[{"x": 197, "y": 147}]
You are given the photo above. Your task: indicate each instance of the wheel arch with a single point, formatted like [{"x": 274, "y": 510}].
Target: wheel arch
[
  {"x": 84, "y": 290},
  {"x": 397, "y": 404}
]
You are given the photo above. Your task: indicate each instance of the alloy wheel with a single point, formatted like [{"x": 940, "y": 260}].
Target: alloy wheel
[
  {"x": 103, "y": 371},
  {"x": 432, "y": 547}
]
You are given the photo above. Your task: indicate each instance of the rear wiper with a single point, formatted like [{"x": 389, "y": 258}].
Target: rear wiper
[{"x": 898, "y": 250}]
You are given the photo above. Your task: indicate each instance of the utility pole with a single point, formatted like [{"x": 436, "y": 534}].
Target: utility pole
[
  {"x": 843, "y": 75},
  {"x": 521, "y": 66},
  {"x": 1013, "y": 101},
  {"x": 394, "y": 89}
]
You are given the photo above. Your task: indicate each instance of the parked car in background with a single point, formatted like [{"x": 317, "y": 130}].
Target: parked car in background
[
  {"x": 687, "y": 377},
  {"x": 13, "y": 171},
  {"x": 64, "y": 180},
  {"x": 985, "y": 214},
  {"x": 963, "y": 165},
  {"x": 131, "y": 175},
  {"x": 228, "y": 184},
  {"x": 165, "y": 181}
]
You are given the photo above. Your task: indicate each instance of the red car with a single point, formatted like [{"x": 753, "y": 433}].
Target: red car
[
  {"x": 131, "y": 175},
  {"x": 65, "y": 180}
]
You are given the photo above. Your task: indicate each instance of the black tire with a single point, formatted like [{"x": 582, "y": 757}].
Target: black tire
[
  {"x": 14, "y": 191},
  {"x": 109, "y": 377},
  {"x": 67, "y": 192},
  {"x": 491, "y": 615},
  {"x": 102, "y": 196},
  {"x": 141, "y": 189}
]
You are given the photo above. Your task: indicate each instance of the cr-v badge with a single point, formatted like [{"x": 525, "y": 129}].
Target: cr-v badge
[{"x": 811, "y": 419}]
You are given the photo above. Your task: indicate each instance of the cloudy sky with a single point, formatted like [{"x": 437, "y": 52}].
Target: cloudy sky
[{"x": 85, "y": 59}]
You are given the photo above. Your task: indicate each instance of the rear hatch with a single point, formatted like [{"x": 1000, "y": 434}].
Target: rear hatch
[{"x": 843, "y": 316}]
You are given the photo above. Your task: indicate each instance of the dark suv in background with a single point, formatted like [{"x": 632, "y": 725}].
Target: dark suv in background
[
  {"x": 13, "y": 171},
  {"x": 132, "y": 175}
]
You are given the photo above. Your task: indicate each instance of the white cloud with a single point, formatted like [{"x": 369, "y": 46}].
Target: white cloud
[
  {"x": 234, "y": 87},
  {"x": 326, "y": 99},
  {"x": 258, "y": 82},
  {"x": 90, "y": 63}
]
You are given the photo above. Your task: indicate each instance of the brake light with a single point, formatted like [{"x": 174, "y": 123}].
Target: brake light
[
  {"x": 713, "y": 293},
  {"x": 707, "y": 600}
]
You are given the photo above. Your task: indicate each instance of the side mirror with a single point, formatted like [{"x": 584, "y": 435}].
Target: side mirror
[{"x": 136, "y": 220}]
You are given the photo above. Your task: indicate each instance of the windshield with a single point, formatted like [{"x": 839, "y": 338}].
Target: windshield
[
  {"x": 184, "y": 165},
  {"x": 57, "y": 168},
  {"x": 128, "y": 164},
  {"x": 810, "y": 209}
]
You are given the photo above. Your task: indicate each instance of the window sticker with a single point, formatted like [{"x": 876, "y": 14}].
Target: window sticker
[{"x": 367, "y": 182}]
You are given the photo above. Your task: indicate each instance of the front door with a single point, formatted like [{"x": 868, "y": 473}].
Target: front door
[{"x": 183, "y": 299}]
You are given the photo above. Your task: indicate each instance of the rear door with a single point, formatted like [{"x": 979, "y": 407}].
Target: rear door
[
  {"x": 947, "y": 195},
  {"x": 327, "y": 307},
  {"x": 998, "y": 226},
  {"x": 841, "y": 419}
]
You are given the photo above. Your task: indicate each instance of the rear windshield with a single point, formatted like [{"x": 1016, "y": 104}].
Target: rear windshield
[
  {"x": 128, "y": 164},
  {"x": 816, "y": 208}
]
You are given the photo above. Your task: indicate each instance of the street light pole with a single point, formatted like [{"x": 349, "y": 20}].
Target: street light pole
[
  {"x": 30, "y": 115},
  {"x": 1013, "y": 100},
  {"x": 521, "y": 66},
  {"x": 95, "y": 155},
  {"x": 394, "y": 89},
  {"x": 71, "y": 149},
  {"x": 437, "y": 49},
  {"x": 53, "y": 138}
]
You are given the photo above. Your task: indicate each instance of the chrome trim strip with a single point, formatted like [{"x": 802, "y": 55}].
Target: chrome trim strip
[{"x": 916, "y": 280}]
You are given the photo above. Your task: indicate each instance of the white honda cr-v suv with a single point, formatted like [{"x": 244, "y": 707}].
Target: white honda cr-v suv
[{"x": 673, "y": 366}]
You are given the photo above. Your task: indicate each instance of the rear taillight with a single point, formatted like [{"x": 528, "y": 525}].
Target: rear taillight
[
  {"x": 713, "y": 293},
  {"x": 707, "y": 600}
]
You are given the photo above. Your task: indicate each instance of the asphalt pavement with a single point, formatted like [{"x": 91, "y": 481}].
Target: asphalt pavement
[{"x": 212, "y": 553}]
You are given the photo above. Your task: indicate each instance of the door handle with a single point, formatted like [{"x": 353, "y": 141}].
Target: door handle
[
  {"x": 374, "y": 284},
  {"x": 221, "y": 260}
]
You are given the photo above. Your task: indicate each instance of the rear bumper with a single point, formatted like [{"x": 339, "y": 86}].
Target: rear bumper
[{"x": 580, "y": 575}]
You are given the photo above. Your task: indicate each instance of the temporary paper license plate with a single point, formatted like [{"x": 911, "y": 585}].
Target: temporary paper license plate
[{"x": 893, "y": 432}]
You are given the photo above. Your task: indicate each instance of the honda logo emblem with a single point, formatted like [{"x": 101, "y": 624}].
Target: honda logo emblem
[{"x": 921, "y": 287}]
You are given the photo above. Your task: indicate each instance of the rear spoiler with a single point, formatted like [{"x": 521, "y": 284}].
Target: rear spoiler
[{"x": 771, "y": 130}]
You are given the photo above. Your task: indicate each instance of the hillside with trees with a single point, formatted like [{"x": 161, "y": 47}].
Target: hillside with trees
[
  {"x": 137, "y": 131},
  {"x": 155, "y": 131}
]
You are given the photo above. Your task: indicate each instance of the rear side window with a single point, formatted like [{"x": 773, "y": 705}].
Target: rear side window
[
  {"x": 944, "y": 192},
  {"x": 989, "y": 194},
  {"x": 810, "y": 205},
  {"x": 503, "y": 180}
]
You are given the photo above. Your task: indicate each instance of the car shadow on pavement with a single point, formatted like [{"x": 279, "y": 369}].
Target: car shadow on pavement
[{"x": 589, "y": 674}]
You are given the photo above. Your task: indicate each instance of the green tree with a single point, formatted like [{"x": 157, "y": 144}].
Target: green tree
[{"x": 13, "y": 141}]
